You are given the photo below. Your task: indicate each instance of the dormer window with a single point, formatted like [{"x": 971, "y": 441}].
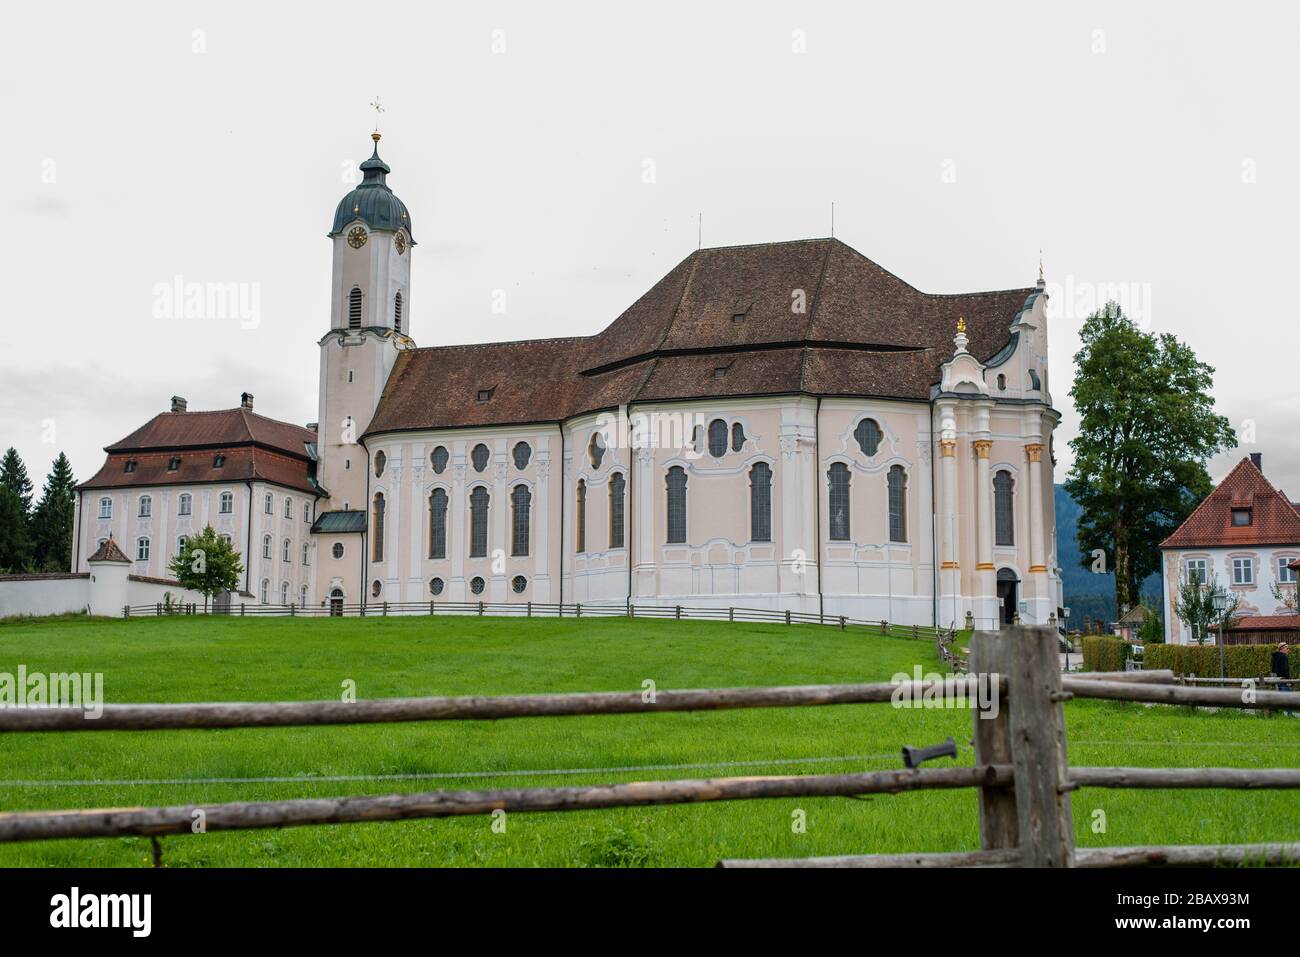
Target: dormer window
[
  {"x": 1241, "y": 517},
  {"x": 173, "y": 463},
  {"x": 485, "y": 395},
  {"x": 738, "y": 317},
  {"x": 719, "y": 372},
  {"x": 218, "y": 460},
  {"x": 129, "y": 466}
]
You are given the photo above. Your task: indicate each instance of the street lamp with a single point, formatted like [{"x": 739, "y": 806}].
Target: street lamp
[{"x": 1220, "y": 599}]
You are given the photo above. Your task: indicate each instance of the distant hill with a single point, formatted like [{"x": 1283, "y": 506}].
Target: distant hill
[{"x": 1087, "y": 594}]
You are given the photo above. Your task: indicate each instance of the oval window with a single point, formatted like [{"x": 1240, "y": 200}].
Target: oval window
[
  {"x": 337, "y": 550},
  {"x": 439, "y": 459},
  {"x": 480, "y": 457},
  {"x": 436, "y": 586},
  {"x": 476, "y": 585},
  {"x": 380, "y": 461},
  {"x": 519, "y": 583}
]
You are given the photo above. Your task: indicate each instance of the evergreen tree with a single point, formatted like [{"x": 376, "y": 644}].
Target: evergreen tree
[
  {"x": 52, "y": 519},
  {"x": 1147, "y": 427},
  {"x": 15, "y": 517}
]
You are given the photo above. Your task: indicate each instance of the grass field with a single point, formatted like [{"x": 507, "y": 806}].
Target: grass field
[{"x": 197, "y": 659}]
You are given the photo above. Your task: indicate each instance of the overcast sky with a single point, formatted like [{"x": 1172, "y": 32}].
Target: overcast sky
[{"x": 561, "y": 153}]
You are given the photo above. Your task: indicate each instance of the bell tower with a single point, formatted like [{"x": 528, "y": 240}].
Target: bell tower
[{"x": 370, "y": 306}]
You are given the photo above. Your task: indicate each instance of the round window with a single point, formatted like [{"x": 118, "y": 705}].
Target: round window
[
  {"x": 380, "y": 461},
  {"x": 436, "y": 586},
  {"x": 519, "y": 583},
  {"x": 476, "y": 585},
  {"x": 376, "y": 587},
  {"x": 337, "y": 550}
]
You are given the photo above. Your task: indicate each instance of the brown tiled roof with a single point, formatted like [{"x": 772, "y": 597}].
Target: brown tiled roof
[
  {"x": 1266, "y": 623},
  {"x": 819, "y": 318},
  {"x": 196, "y": 468},
  {"x": 224, "y": 427},
  {"x": 109, "y": 552},
  {"x": 1274, "y": 520}
]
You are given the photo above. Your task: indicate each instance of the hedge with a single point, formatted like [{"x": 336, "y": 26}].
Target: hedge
[
  {"x": 1105, "y": 653},
  {"x": 1239, "y": 661}
]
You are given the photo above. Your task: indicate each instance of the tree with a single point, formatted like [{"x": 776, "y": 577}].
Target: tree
[
  {"x": 1152, "y": 629},
  {"x": 52, "y": 518},
  {"x": 1198, "y": 604},
  {"x": 207, "y": 564},
  {"x": 1287, "y": 594},
  {"x": 1147, "y": 427},
  {"x": 15, "y": 514}
]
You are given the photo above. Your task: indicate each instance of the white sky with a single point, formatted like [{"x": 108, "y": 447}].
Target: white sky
[{"x": 1120, "y": 153}]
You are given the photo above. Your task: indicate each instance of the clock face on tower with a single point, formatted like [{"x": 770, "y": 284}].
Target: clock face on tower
[
  {"x": 399, "y": 242},
  {"x": 357, "y": 237}
]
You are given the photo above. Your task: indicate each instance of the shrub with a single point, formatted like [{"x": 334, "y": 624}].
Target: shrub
[
  {"x": 1105, "y": 653},
  {"x": 1239, "y": 661}
]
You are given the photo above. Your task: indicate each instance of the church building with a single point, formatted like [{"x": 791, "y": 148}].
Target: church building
[{"x": 784, "y": 425}]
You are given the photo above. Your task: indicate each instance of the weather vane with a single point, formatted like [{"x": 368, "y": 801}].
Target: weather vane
[{"x": 378, "y": 108}]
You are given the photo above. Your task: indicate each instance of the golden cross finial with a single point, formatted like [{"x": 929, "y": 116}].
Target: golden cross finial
[
  {"x": 961, "y": 324},
  {"x": 1040, "y": 263},
  {"x": 378, "y": 108}
]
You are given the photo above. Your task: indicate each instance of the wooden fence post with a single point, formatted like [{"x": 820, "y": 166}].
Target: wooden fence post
[
  {"x": 530, "y": 609},
  {"x": 842, "y": 622},
  {"x": 999, "y": 828},
  {"x": 1033, "y": 668},
  {"x": 480, "y": 609},
  {"x": 679, "y": 611},
  {"x": 578, "y": 610},
  {"x": 787, "y": 616},
  {"x": 126, "y": 611}
]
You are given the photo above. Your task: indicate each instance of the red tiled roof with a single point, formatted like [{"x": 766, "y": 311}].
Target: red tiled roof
[
  {"x": 224, "y": 427},
  {"x": 819, "y": 318},
  {"x": 109, "y": 552},
  {"x": 196, "y": 468},
  {"x": 1266, "y": 623},
  {"x": 1274, "y": 520}
]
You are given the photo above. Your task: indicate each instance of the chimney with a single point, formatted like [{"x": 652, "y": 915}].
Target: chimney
[
  {"x": 178, "y": 403},
  {"x": 246, "y": 401},
  {"x": 1257, "y": 459}
]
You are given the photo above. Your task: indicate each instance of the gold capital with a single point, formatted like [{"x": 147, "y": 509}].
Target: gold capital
[
  {"x": 1035, "y": 451},
  {"x": 948, "y": 447},
  {"x": 983, "y": 447}
]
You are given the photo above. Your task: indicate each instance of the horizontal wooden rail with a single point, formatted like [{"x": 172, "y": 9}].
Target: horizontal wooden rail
[
  {"x": 256, "y": 714},
  {"x": 1179, "y": 694},
  {"x": 181, "y": 819},
  {"x": 1173, "y": 855},
  {"x": 1153, "y": 676},
  {"x": 1248, "y": 778}
]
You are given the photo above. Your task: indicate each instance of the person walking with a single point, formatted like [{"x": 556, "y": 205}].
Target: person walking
[{"x": 1280, "y": 665}]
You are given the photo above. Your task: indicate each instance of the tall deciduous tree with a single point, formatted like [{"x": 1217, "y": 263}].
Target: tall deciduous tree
[
  {"x": 1147, "y": 428},
  {"x": 15, "y": 514},
  {"x": 208, "y": 564},
  {"x": 52, "y": 518}
]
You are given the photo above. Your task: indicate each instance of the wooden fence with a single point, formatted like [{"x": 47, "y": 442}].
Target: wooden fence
[{"x": 1020, "y": 769}]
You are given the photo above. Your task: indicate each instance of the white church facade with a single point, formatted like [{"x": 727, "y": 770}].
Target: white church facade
[{"x": 784, "y": 425}]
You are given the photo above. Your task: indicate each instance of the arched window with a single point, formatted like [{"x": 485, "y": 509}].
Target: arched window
[
  {"x": 180, "y": 543},
  {"x": 596, "y": 450},
  {"x": 288, "y": 507},
  {"x": 286, "y": 550},
  {"x": 617, "y": 487},
  {"x": 838, "y": 500},
  {"x": 269, "y": 505},
  {"x": 478, "y": 522},
  {"x": 522, "y": 454},
  {"x": 479, "y": 457},
  {"x": 1004, "y": 520},
  {"x": 146, "y": 506},
  {"x": 185, "y": 504},
  {"x": 737, "y": 436},
  {"x": 377, "y": 536},
  {"x": 897, "y": 504},
  {"x": 581, "y": 532},
  {"x": 676, "y": 482},
  {"x": 717, "y": 438},
  {"x": 397, "y": 312},
  {"x": 305, "y": 553},
  {"x": 354, "y": 308},
  {"x": 439, "y": 459},
  {"x": 142, "y": 550},
  {"x": 868, "y": 435},
  {"x": 520, "y": 500},
  {"x": 266, "y": 546},
  {"x": 227, "y": 503},
  {"x": 302, "y": 596},
  {"x": 438, "y": 524},
  {"x": 284, "y": 593},
  {"x": 266, "y": 591},
  {"x": 760, "y": 502},
  {"x": 306, "y": 511},
  {"x": 105, "y": 508}
]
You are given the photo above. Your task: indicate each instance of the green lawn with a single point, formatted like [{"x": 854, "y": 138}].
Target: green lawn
[{"x": 197, "y": 659}]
